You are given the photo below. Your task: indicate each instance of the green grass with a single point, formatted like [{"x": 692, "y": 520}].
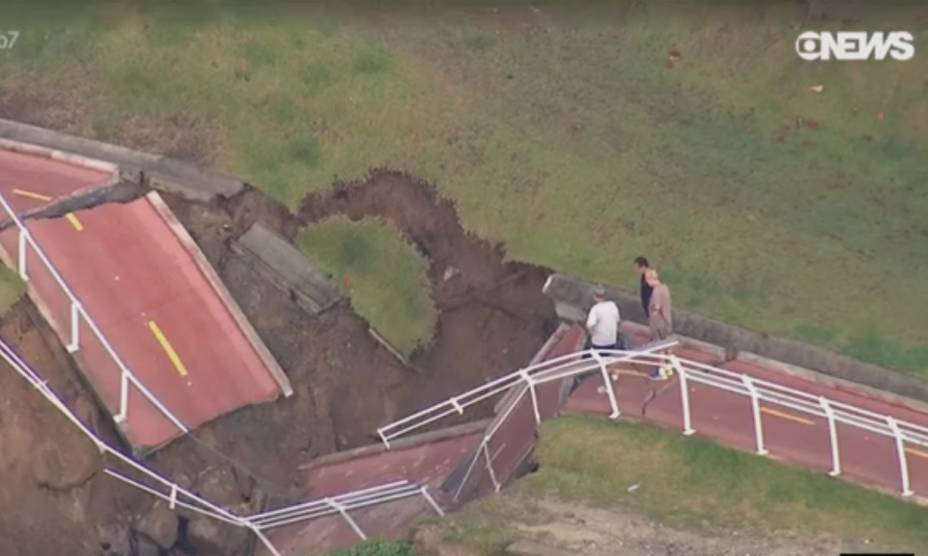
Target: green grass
[
  {"x": 384, "y": 276},
  {"x": 11, "y": 288},
  {"x": 558, "y": 129},
  {"x": 697, "y": 484},
  {"x": 376, "y": 548}
]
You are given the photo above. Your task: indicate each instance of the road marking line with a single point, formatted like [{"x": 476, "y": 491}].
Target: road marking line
[
  {"x": 788, "y": 416},
  {"x": 32, "y": 195},
  {"x": 918, "y": 453},
  {"x": 74, "y": 221},
  {"x": 167, "y": 347}
]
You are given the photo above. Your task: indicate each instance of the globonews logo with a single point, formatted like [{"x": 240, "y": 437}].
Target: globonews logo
[{"x": 855, "y": 45}]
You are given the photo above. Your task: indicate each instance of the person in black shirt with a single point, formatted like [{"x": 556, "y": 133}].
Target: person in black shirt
[{"x": 645, "y": 288}]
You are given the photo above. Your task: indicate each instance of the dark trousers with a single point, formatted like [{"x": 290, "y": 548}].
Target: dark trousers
[{"x": 618, "y": 345}]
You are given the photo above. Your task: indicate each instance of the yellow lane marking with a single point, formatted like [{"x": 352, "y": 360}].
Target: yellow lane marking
[
  {"x": 31, "y": 195},
  {"x": 74, "y": 221},
  {"x": 918, "y": 453},
  {"x": 788, "y": 416},
  {"x": 167, "y": 347}
]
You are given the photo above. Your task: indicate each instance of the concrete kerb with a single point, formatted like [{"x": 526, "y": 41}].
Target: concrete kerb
[
  {"x": 571, "y": 295},
  {"x": 58, "y": 155},
  {"x": 185, "y": 179}
]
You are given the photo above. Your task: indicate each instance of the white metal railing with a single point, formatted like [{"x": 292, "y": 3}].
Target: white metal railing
[
  {"x": 78, "y": 314},
  {"x": 180, "y": 497},
  {"x": 549, "y": 370},
  {"x": 342, "y": 504},
  {"x": 758, "y": 390}
]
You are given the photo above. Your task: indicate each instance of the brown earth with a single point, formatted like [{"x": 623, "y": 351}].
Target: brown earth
[{"x": 53, "y": 497}]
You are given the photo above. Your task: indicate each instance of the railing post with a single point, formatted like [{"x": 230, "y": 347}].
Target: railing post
[
  {"x": 833, "y": 436},
  {"x": 75, "y": 327},
  {"x": 684, "y": 396},
  {"x": 123, "y": 398},
  {"x": 341, "y": 509},
  {"x": 264, "y": 540},
  {"x": 755, "y": 406},
  {"x": 428, "y": 498},
  {"x": 21, "y": 255},
  {"x": 466, "y": 477},
  {"x": 531, "y": 386},
  {"x": 900, "y": 450},
  {"x": 173, "y": 501},
  {"x": 486, "y": 454},
  {"x": 607, "y": 382},
  {"x": 383, "y": 438}
]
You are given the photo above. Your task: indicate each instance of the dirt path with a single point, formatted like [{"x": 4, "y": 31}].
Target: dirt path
[{"x": 573, "y": 529}]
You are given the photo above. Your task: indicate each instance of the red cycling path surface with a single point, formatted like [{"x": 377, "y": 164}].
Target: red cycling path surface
[
  {"x": 129, "y": 269},
  {"x": 426, "y": 464},
  {"x": 789, "y": 435}
]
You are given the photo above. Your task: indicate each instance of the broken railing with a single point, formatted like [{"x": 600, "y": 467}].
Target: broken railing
[
  {"x": 77, "y": 314},
  {"x": 342, "y": 504},
  {"x": 179, "y": 497},
  {"x": 557, "y": 368},
  {"x": 525, "y": 382}
]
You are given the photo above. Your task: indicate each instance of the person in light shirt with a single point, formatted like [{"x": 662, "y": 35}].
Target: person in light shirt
[{"x": 602, "y": 323}]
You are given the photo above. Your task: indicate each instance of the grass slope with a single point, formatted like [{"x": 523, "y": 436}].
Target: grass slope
[
  {"x": 565, "y": 131},
  {"x": 696, "y": 484},
  {"x": 384, "y": 276}
]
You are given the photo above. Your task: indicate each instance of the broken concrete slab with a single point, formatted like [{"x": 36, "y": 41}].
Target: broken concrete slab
[
  {"x": 185, "y": 179},
  {"x": 573, "y": 297},
  {"x": 287, "y": 268}
]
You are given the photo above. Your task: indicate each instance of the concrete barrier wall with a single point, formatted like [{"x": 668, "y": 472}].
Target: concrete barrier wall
[{"x": 573, "y": 297}]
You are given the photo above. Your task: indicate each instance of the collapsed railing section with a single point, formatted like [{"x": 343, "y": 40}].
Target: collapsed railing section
[
  {"x": 180, "y": 497},
  {"x": 526, "y": 381},
  {"x": 78, "y": 314},
  {"x": 557, "y": 368},
  {"x": 343, "y": 504}
]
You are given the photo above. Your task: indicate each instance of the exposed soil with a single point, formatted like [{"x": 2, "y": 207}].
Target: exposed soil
[
  {"x": 53, "y": 497},
  {"x": 493, "y": 316}
]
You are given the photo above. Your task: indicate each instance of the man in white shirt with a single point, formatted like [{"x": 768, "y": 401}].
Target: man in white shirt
[{"x": 602, "y": 324}]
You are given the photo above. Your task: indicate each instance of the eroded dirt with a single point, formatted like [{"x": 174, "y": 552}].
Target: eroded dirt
[
  {"x": 53, "y": 497},
  {"x": 493, "y": 316}
]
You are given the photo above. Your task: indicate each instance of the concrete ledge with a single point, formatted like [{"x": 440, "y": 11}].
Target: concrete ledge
[
  {"x": 219, "y": 288},
  {"x": 287, "y": 268},
  {"x": 405, "y": 443},
  {"x": 573, "y": 296},
  {"x": 188, "y": 180}
]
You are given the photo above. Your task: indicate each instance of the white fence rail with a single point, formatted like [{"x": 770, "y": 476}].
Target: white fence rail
[
  {"x": 178, "y": 496},
  {"x": 549, "y": 370},
  {"x": 78, "y": 314},
  {"x": 342, "y": 504},
  {"x": 902, "y": 433}
]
